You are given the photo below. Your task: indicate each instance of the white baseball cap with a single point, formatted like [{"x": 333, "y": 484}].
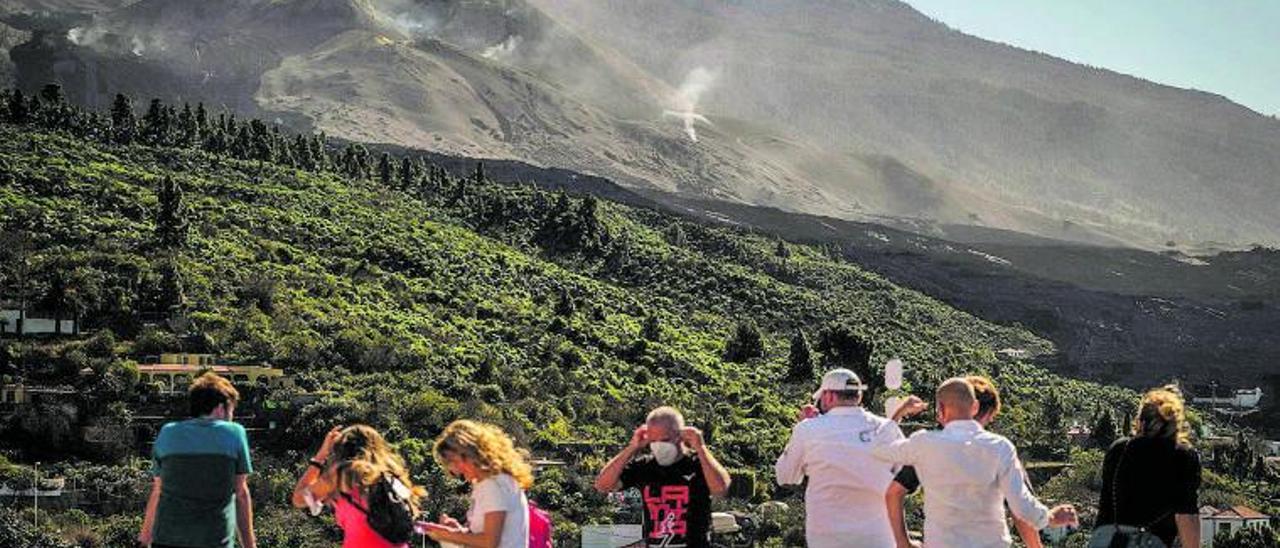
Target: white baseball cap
[{"x": 839, "y": 379}]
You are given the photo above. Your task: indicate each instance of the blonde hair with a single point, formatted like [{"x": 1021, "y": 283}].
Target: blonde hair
[
  {"x": 1162, "y": 414},
  {"x": 361, "y": 457},
  {"x": 487, "y": 447}
]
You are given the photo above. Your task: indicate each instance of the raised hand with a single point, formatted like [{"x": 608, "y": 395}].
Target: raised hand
[
  {"x": 692, "y": 437},
  {"x": 639, "y": 437},
  {"x": 808, "y": 412},
  {"x": 330, "y": 440},
  {"x": 911, "y": 407}
]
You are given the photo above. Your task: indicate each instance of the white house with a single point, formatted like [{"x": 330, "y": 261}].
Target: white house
[
  {"x": 1244, "y": 398},
  {"x": 1012, "y": 353},
  {"x": 1229, "y": 519},
  {"x": 34, "y": 326},
  {"x": 1273, "y": 448},
  {"x": 50, "y": 487}
]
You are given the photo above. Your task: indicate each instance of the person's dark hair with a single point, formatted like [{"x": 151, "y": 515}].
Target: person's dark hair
[
  {"x": 988, "y": 396},
  {"x": 209, "y": 391},
  {"x": 849, "y": 396}
]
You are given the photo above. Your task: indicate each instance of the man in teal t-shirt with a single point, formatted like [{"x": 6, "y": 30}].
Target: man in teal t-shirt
[{"x": 200, "y": 491}]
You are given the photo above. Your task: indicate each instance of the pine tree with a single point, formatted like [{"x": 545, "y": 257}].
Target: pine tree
[
  {"x": 459, "y": 190},
  {"x": 262, "y": 147},
  {"x": 284, "y": 152},
  {"x": 386, "y": 172},
  {"x": 439, "y": 178},
  {"x": 215, "y": 136},
  {"x": 171, "y": 295},
  {"x": 746, "y": 343},
  {"x": 19, "y": 111},
  {"x": 408, "y": 174},
  {"x": 124, "y": 126},
  {"x": 841, "y": 346},
  {"x": 781, "y": 251},
  {"x": 356, "y": 161},
  {"x": 62, "y": 297},
  {"x": 652, "y": 328},
  {"x": 155, "y": 124},
  {"x": 590, "y": 232},
  {"x": 300, "y": 152},
  {"x": 53, "y": 108},
  {"x": 51, "y": 94},
  {"x": 1104, "y": 430},
  {"x": 800, "y": 359},
  {"x": 188, "y": 128},
  {"x": 478, "y": 175},
  {"x": 1054, "y": 426},
  {"x": 202, "y": 122},
  {"x": 619, "y": 256},
  {"x": 320, "y": 152},
  {"x": 674, "y": 235},
  {"x": 565, "y": 304},
  {"x": 172, "y": 224}
]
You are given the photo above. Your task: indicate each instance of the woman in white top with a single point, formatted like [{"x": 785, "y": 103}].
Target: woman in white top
[{"x": 487, "y": 458}]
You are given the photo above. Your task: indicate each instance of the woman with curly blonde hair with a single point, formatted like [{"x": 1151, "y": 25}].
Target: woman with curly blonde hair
[
  {"x": 1150, "y": 480},
  {"x": 487, "y": 458},
  {"x": 345, "y": 473}
]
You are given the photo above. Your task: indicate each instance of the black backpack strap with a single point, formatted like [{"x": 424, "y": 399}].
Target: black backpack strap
[{"x": 356, "y": 504}]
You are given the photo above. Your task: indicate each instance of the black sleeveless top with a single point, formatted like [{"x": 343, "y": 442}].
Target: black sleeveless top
[{"x": 1158, "y": 478}]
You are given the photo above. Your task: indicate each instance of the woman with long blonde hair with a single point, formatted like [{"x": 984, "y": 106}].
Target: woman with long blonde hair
[
  {"x": 1150, "y": 480},
  {"x": 352, "y": 465},
  {"x": 487, "y": 458}
]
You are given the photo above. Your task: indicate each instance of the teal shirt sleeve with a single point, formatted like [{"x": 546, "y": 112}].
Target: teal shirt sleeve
[{"x": 244, "y": 465}]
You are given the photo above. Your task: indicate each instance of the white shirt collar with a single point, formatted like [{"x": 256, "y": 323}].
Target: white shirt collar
[
  {"x": 846, "y": 410},
  {"x": 963, "y": 426}
]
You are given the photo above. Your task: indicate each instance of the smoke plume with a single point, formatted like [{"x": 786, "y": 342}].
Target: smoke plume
[{"x": 686, "y": 100}]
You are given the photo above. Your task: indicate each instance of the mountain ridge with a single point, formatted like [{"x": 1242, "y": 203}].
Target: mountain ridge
[{"x": 854, "y": 110}]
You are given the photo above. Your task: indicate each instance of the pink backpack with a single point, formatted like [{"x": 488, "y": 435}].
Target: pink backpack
[{"x": 539, "y": 527}]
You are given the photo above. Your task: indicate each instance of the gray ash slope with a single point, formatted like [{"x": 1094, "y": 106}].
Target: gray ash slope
[{"x": 851, "y": 109}]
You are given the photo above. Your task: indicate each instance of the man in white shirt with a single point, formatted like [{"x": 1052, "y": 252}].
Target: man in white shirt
[
  {"x": 967, "y": 474},
  {"x": 844, "y": 502}
]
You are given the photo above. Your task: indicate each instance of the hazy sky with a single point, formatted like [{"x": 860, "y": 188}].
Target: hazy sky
[{"x": 1228, "y": 47}]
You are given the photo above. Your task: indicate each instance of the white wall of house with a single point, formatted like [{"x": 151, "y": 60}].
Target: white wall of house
[
  {"x": 33, "y": 326},
  {"x": 1209, "y": 526}
]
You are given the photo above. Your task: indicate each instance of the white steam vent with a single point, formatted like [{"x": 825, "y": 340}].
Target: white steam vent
[{"x": 686, "y": 99}]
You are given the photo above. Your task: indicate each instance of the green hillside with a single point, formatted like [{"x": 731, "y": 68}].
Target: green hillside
[{"x": 408, "y": 298}]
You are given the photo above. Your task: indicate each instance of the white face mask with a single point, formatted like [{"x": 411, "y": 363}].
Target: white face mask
[{"x": 664, "y": 452}]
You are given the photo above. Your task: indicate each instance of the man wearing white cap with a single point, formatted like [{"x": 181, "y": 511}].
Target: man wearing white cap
[{"x": 831, "y": 445}]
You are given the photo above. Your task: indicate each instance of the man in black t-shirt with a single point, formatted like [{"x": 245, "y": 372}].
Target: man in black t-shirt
[{"x": 676, "y": 479}]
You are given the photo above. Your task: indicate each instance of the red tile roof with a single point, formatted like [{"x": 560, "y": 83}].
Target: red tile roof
[{"x": 1234, "y": 512}]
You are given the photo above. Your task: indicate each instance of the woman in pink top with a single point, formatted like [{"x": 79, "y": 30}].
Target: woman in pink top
[{"x": 349, "y": 461}]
